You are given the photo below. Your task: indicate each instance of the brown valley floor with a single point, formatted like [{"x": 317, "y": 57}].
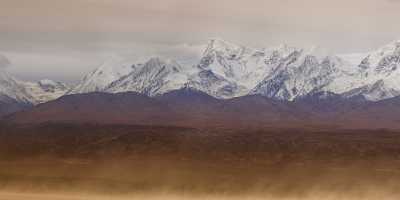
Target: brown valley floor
[{"x": 184, "y": 163}]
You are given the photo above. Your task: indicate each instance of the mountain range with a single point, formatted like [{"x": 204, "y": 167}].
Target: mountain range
[
  {"x": 226, "y": 70},
  {"x": 272, "y": 83},
  {"x": 16, "y": 94}
]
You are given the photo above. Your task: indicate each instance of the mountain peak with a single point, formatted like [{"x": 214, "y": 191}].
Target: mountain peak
[
  {"x": 111, "y": 70},
  {"x": 221, "y": 46},
  {"x": 161, "y": 61},
  {"x": 47, "y": 82},
  {"x": 156, "y": 76},
  {"x": 155, "y": 63}
]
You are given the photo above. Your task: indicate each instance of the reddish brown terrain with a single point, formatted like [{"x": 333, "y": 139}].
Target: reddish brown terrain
[
  {"x": 189, "y": 108},
  {"x": 187, "y": 142},
  {"x": 126, "y": 159}
]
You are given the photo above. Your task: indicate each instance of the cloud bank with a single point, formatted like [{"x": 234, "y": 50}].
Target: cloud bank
[{"x": 89, "y": 30}]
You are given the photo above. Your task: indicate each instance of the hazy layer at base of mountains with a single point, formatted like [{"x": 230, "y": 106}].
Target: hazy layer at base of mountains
[{"x": 227, "y": 73}]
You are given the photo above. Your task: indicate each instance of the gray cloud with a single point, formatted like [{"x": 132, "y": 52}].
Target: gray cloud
[{"x": 64, "y": 39}]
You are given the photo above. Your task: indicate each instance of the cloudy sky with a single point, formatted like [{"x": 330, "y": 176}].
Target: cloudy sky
[{"x": 63, "y": 39}]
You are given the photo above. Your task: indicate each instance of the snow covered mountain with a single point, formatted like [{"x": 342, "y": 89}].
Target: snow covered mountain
[
  {"x": 373, "y": 76},
  {"x": 156, "y": 76},
  {"x": 45, "y": 90},
  {"x": 99, "y": 79},
  {"x": 239, "y": 71},
  {"x": 30, "y": 92},
  {"x": 13, "y": 96},
  {"x": 17, "y": 91},
  {"x": 227, "y": 70},
  {"x": 12, "y": 88}
]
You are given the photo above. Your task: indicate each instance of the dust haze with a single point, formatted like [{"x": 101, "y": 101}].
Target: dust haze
[{"x": 62, "y": 161}]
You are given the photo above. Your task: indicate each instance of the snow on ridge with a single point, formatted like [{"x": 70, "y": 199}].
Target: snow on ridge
[
  {"x": 228, "y": 70},
  {"x": 45, "y": 90}
]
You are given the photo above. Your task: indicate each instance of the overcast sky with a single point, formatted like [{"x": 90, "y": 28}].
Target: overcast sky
[{"x": 64, "y": 39}]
